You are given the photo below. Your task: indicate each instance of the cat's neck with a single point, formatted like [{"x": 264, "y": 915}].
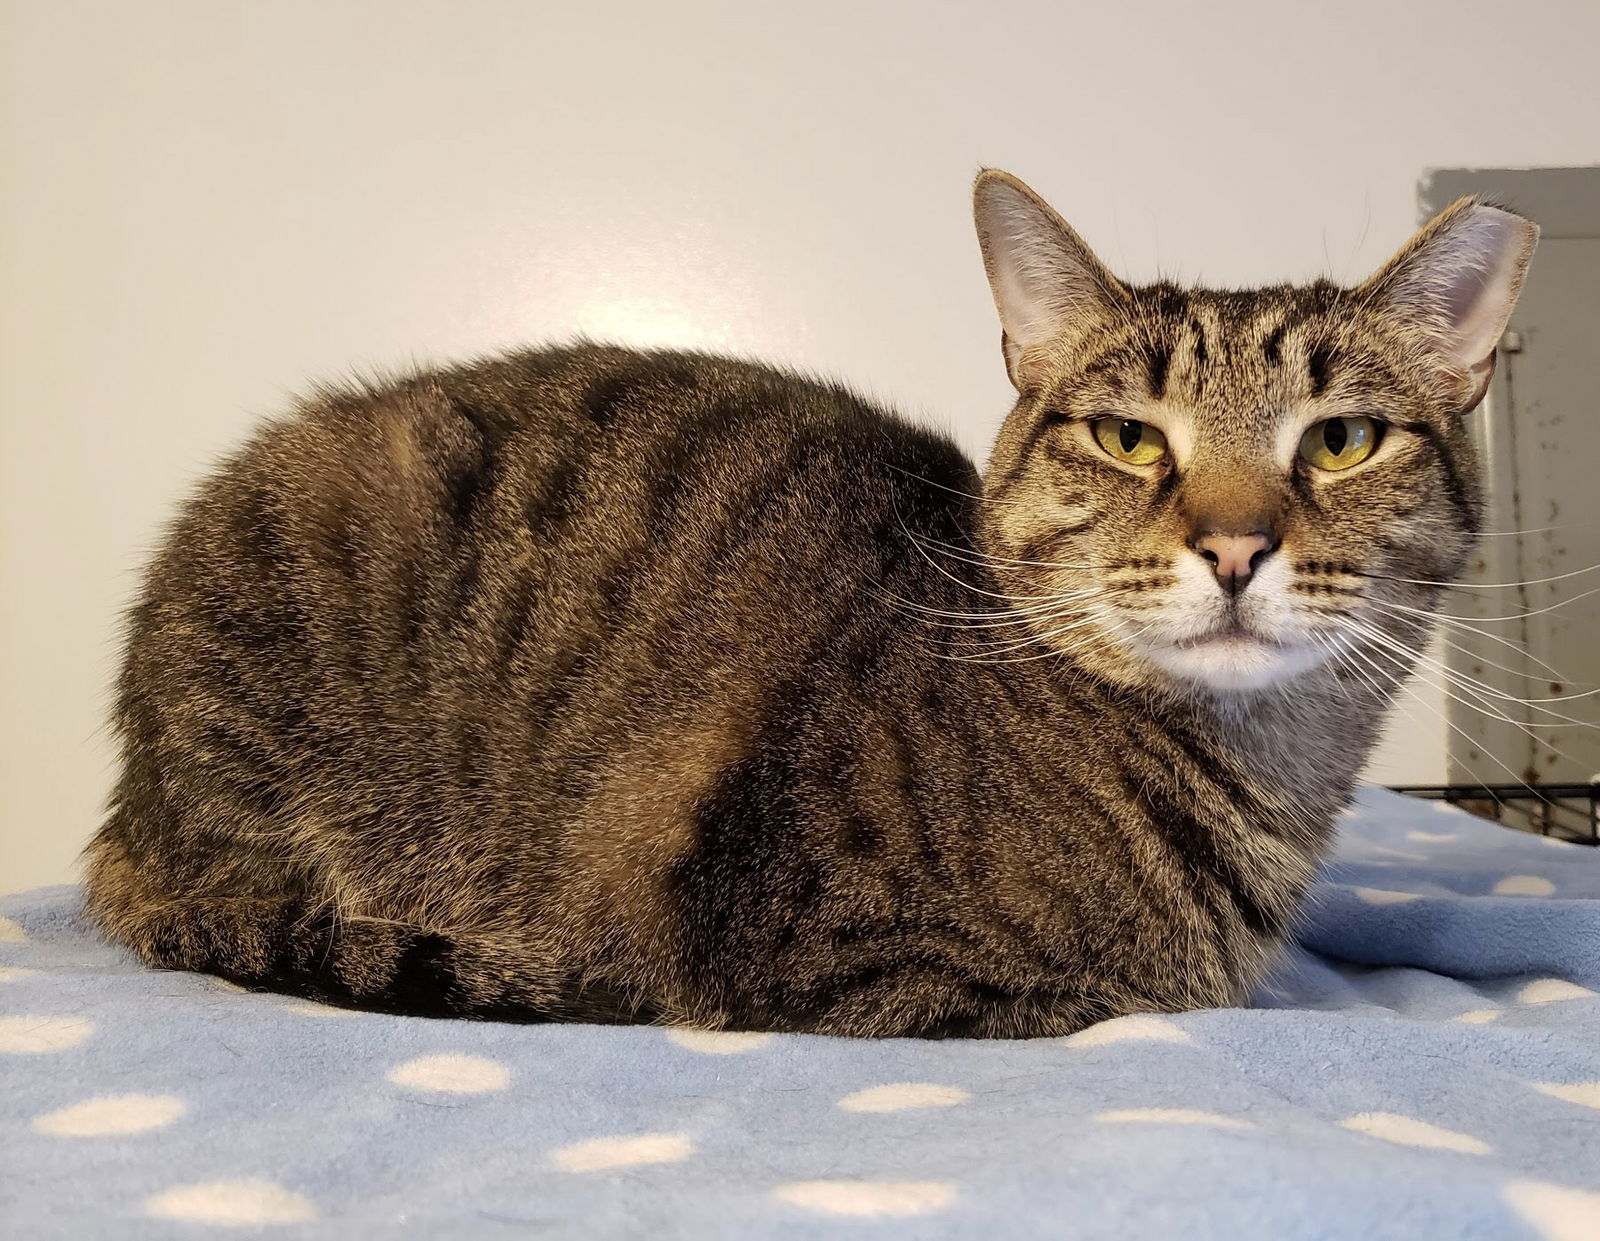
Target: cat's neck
[
  {"x": 1304, "y": 742},
  {"x": 1309, "y": 737}
]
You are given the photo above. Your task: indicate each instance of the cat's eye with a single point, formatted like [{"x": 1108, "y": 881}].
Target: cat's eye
[
  {"x": 1339, "y": 443},
  {"x": 1137, "y": 443}
]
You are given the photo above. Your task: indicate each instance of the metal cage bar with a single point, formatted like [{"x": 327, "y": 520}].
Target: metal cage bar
[{"x": 1552, "y": 811}]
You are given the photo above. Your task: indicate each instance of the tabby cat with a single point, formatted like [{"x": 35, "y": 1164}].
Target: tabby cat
[{"x": 589, "y": 684}]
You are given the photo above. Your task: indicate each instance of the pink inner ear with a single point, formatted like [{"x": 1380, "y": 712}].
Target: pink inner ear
[
  {"x": 1043, "y": 276},
  {"x": 1480, "y": 301},
  {"x": 1463, "y": 281}
]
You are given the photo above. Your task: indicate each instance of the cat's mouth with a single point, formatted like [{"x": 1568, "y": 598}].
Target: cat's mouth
[
  {"x": 1232, "y": 634},
  {"x": 1233, "y": 656}
]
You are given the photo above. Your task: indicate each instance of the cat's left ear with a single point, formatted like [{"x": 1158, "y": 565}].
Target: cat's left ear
[
  {"x": 1457, "y": 281},
  {"x": 1046, "y": 282}
]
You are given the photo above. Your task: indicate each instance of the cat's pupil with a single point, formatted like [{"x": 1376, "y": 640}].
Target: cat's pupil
[
  {"x": 1335, "y": 435},
  {"x": 1129, "y": 435}
]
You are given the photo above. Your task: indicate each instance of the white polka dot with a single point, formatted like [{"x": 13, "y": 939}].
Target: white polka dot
[
  {"x": 1559, "y": 1213},
  {"x": 1443, "y": 807},
  {"x": 1478, "y": 1016},
  {"x": 902, "y": 1095},
  {"x": 868, "y": 1197},
  {"x": 305, "y": 1008},
  {"x": 10, "y": 973},
  {"x": 241, "y": 1203},
  {"x": 451, "y": 1074},
  {"x": 28, "y": 1035},
  {"x": 1172, "y": 1116},
  {"x": 222, "y": 984},
  {"x": 1524, "y": 885},
  {"x": 1137, "y": 1027},
  {"x": 1431, "y": 838},
  {"x": 1555, "y": 842},
  {"x": 1550, "y": 990},
  {"x": 1382, "y": 896},
  {"x": 717, "y": 1042},
  {"x": 11, "y": 933},
  {"x": 598, "y": 1154},
  {"x": 1585, "y": 1094},
  {"x": 93, "y": 1118},
  {"x": 1407, "y": 1131}
]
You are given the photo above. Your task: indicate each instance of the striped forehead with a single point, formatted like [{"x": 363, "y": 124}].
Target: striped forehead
[{"x": 1238, "y": 372}]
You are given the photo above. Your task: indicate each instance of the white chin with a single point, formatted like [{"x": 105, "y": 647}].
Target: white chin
[{"x": 1234, "y": 662}]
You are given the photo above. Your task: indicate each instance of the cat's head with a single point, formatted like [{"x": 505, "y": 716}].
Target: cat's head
[{"x": 1227, "y": 489}]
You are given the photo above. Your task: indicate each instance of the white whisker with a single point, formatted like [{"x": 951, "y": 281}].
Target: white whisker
[
  {"x": 912, "y": 538},
  {"x": 1065, "y": 614},
  {"x": 1537, "y": 581},
  {"x": 1511, "y": 617},
  {"x": 1033, "y": 640},
  {"x": 1457, "y": 625},
  {"x": 1049, "y": 603},
  {"x": 956, "y": 491},
  {"x": 1472, "y": 683},
  {"x": 1455, "y": 728},
  {"x": 1478, "y": 657},
  {"x": 987, "y": 558}
]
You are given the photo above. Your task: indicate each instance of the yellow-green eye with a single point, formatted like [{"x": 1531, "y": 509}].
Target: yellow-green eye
[
  {"x": 1137, "y": 443},
  {"x": 1339, "y": 443}
]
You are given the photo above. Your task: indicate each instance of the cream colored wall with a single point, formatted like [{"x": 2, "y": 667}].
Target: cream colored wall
[{"x": 206, "y": 204}]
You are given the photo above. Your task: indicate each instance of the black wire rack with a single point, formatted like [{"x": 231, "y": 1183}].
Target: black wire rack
[{"x": 1569, "y": 812}]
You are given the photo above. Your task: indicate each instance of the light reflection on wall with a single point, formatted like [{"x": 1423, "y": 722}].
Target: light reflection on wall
[
  {"x": 650, "y": 321},
  {"x": 686, "y": 284}
]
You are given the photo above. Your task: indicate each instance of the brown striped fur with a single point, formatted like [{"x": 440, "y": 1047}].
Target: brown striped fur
[{"x": 595, "y": 684}]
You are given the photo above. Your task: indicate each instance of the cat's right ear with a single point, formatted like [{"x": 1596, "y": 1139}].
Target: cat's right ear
[
  {"x": 1454, "y": 286},
  {"x": 1046, "y": 282}
]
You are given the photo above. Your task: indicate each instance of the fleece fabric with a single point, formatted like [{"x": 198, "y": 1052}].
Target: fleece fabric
[{"x": 1424, "y": 1064}]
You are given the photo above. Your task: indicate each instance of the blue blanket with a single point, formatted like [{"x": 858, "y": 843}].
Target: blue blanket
[{"x": 1425, "y": 1063}]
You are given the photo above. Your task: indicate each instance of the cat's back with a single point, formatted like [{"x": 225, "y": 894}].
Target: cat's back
[
  {"x": 558, "y": 539},
  {"x": 383, "y": 490},
  {"x": 584, "y": 427}
]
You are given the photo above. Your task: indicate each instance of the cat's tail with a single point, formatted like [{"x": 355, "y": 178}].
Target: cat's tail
[{"x": 301, "y": 946}]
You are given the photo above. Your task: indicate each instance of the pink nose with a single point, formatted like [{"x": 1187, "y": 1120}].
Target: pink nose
[{"x": 1233, "y": 557}]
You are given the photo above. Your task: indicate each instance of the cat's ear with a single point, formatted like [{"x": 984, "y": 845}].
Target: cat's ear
[
  {"x": 1046, "y": 282},
  {"x": 1456, "y": 282}
]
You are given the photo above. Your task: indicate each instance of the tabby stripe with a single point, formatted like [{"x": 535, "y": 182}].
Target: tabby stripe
[
  {"x": 650, "y": 560},
  {"x": 1455, "y": 484},
  {"x": 1195, "y": 844},
  {"x": 1160, "y": 360},
  {"x": 1320, "y": 357},
  {"x": 1233, "y": 793},
  {"x": 1272, "y": 347},
  {"x": 1047, "y": 422}
]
